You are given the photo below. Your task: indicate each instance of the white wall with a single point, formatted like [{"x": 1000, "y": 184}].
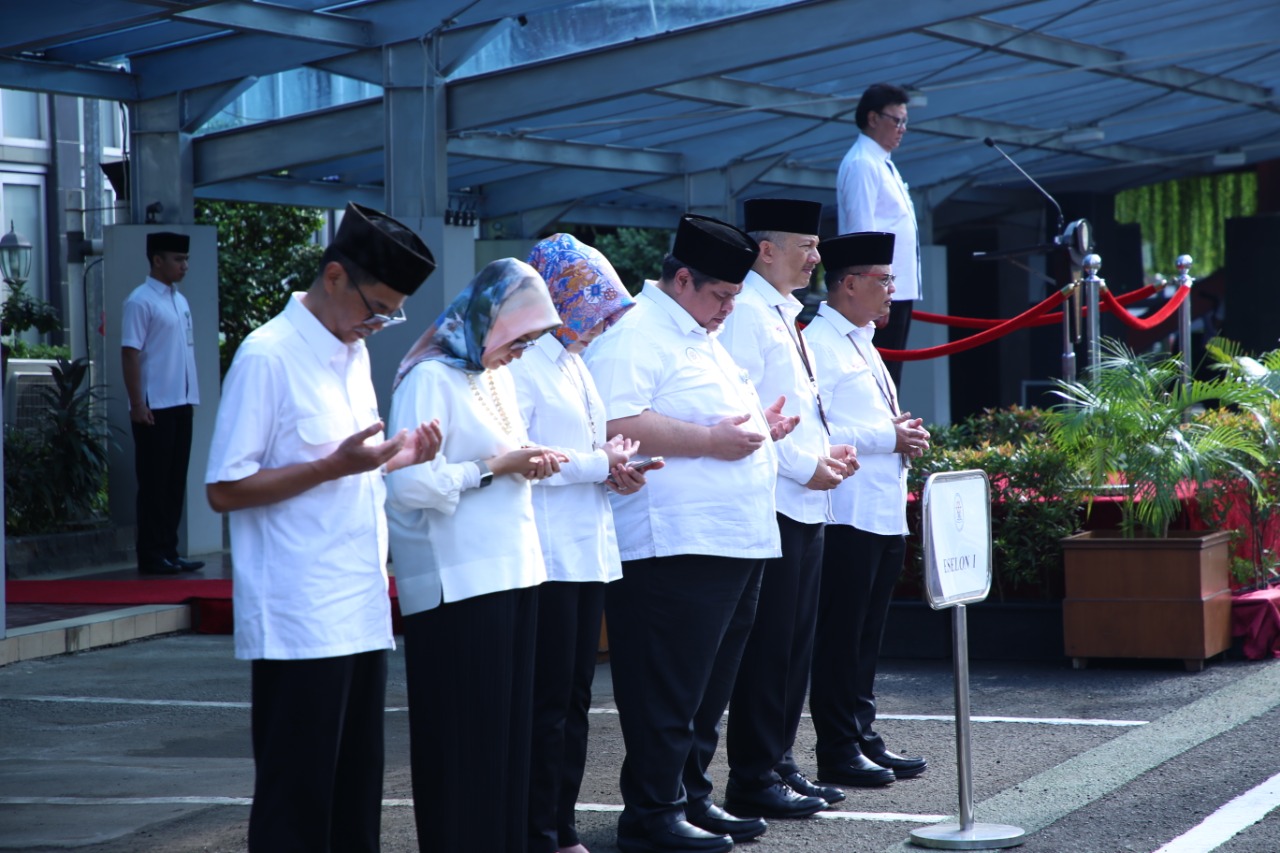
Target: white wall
[{"x": 926, "y": 384}]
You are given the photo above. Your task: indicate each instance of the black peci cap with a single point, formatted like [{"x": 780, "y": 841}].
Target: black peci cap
[
  {"x": 384, "y": 248},
  {"x": 714, "y": 248},
  {"x": 861, "y": 249},
  {"x": 791, "y": 215},
  {"x": 167, "y": 241}
]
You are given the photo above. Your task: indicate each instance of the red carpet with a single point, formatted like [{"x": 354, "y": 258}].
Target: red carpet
[{"x": 210, "y": 599}]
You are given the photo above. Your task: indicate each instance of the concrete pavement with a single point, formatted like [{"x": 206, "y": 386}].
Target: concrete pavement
[{"x": 145, "y": 746}]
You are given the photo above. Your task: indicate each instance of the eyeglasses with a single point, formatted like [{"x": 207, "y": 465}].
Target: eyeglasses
[
  {"x": 380, "y": 320},
  {"x": 898, "y": 122},
  {"x": 885, "y": 279},
  {"x": 521, "y": 346}
]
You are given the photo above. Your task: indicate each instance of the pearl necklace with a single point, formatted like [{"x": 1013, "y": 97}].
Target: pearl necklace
[
  {"x": 579, "y": 383},
  {"x": 500, "y": 414}
]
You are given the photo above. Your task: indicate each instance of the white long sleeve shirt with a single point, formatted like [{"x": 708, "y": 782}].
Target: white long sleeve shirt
[
  {"x": 450, "y": 538},
  {"x": 562, "y": 409},
  {"x": 871, "y": 196},
  {"x": 858, "y": 392},
  {"x": 762, "y": 337}
]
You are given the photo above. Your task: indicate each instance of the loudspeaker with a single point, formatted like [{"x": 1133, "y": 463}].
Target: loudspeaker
[{"x": 1252, "y": 310}]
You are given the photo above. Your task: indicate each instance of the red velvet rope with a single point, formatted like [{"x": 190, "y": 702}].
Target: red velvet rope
[
  {"x": 1165, "y": 312},
  {"x": 1026, "y": 318},
  {"x": 1047, "y": 320}
]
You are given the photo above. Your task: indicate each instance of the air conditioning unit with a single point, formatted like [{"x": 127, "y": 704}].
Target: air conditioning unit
[{"x": 24, "y": 403}]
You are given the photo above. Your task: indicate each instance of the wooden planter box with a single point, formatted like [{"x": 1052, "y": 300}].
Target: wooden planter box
[{"x": 1146, "y": 598}]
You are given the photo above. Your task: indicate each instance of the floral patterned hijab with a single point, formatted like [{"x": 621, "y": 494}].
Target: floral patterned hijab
[
  {"x": 505, "y": 301},
  {"x": 584, "y": 285}
]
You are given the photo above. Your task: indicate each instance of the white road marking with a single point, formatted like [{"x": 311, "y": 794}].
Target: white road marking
[
  {"x": 885, "y": 817},
  {"x": 935, "y": 718},
  {"x": 1228, "y": 821},
  {"x": 949, "y": 718}
]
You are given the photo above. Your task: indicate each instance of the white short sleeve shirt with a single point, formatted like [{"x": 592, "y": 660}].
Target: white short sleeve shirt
[
  {"x": 310, "y": 576},
  {"x": 853, "y": 391},
  {"x": 156, "y": 321},
  {"x": 658, "y": 358},
  {"x": 762, "y": 337}
]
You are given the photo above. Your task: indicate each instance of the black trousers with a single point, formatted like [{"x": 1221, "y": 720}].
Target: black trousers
[
  {"x": 568, "y": 638},
  {"x": 677, "y": 627},
  {"x": 469, "y": 665},
  {"x": 161, "y": 454},
  {"x": 318, "y": 754},
  {"x": 859, "y": 571},
  {"x": 768, "y": 697},
  {"x": 893, "y": 335}
]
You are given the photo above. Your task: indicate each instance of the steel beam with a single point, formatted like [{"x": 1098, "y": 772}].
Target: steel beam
[
  {"x": 279, "y": 145},
  {"x": 294, "y": 193},
  {"x": 76, "y": 80},
  {"x": 784, "y": 32},
  {"x": 1036, "y": 47},
  {"x": 283, "y": 21},
  {"x": 553, "y": 152}
]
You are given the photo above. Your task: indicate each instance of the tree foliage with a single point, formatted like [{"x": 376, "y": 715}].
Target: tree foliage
[
  {"x": 264, "y": 253},
  {"x": 636, "y": 253},
  {"x": 1186, "y": 217}
]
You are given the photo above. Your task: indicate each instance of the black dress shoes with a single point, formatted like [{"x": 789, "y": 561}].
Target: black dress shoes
[
  {"x": 777, "y": 800},
  {"x": 902, "y": 766},
  {"x": 169, "y": 566},
  {"x": 802, "y": 786},
  {"x": 678, "y": 837},
  {"x": 857, "y": 772},
  {"x": 160, "y": 567},
  {"x": 719, "y": 822}
]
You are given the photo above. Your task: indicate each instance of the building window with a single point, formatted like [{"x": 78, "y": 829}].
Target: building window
[{"x": 20, "y": 115}]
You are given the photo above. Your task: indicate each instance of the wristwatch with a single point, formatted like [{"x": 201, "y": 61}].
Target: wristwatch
[{"x": 486, "y": 476}]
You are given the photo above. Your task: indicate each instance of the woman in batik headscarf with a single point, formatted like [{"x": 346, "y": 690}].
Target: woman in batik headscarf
[
  {"x": 562, "y": 408},
  {"x": 468, "y": 563}
]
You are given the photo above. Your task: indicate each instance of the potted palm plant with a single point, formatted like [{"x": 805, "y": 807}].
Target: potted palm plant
[{"x": 1145, "y": 591}]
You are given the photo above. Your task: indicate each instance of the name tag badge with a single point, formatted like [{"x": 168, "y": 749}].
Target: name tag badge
[{"x": 191, "y": 333}]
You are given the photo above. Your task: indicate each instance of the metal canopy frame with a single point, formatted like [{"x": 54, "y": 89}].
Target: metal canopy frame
[{"x": 732, "y": 104}]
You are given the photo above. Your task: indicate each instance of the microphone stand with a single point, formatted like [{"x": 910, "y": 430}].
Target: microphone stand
[{"x": 1071, "y": 312}]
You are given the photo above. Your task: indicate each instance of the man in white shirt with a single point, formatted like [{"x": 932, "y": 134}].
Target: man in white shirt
[
  {"x": 158, "y": 355},
  {"x": 297, "y": 460},
  {"x": 693, "y": 542},
  {"x": 866, "y": 541},
  {"x": 871, "y": 196},
  {"x": 768, "y": 697}
]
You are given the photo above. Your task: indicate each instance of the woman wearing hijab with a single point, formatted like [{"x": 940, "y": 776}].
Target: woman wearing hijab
[
  {"x": 562, "y": 408},
  {"x": 468, "y": 563}
]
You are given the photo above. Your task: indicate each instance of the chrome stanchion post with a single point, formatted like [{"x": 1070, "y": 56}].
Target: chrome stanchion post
[
  {"x": 1184, "y": 279},
  {"x": 1068, "y": 345},
  {"x": 956, "y": 527},
  {"x": 964, "y": 752},
  {"x": 1092, "y": 284}
]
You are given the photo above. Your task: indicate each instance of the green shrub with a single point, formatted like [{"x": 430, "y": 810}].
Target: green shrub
[
  {"x": 55, "y": 471},
  {"x": 1036, "y": 498}
]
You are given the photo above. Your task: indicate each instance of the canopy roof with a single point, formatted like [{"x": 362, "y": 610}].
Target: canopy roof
[{"x": 617, "y": 111}]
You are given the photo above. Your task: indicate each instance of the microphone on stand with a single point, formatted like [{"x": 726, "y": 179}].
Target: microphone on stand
[{"x": 991, "y": 143}]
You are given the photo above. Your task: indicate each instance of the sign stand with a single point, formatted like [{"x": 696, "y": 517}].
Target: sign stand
[{"x": 957, "y": 556}]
